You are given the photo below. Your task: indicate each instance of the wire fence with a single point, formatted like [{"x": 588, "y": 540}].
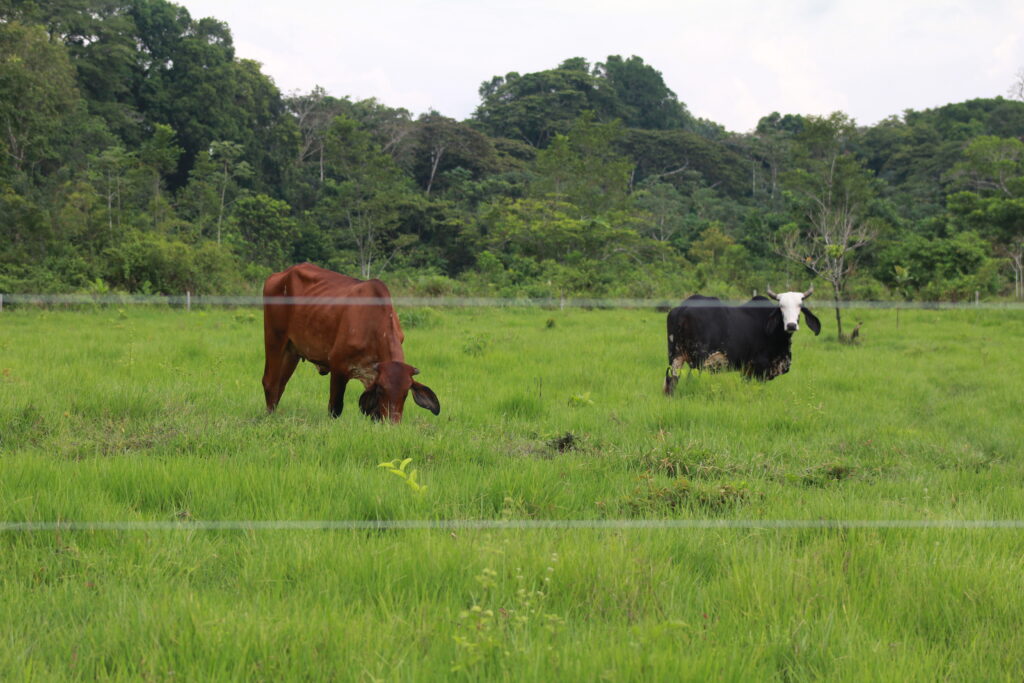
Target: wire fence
[
  {"x": 187, "y": 301},
  {"x": 504, "y": 524}
]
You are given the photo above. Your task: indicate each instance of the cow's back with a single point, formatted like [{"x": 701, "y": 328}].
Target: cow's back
[
  {"x": 308, "y": 280},
  {"x": 697, "y": 329},
  {"x": 331, "y": 319}
]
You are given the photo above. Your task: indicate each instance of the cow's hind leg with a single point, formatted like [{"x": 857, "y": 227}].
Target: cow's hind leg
[
  {"x": 337, "y": 402},
  {"x": 672, "y": 375},
  {"x": 671, "y": 379},
  {"x": 278, "y": 370}
]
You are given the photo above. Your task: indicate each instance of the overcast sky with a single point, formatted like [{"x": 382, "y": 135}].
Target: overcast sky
[{"x": 729, "y": 61}]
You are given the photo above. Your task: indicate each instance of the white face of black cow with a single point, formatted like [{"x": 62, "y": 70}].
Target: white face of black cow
[{"x": 790, "y": 304}]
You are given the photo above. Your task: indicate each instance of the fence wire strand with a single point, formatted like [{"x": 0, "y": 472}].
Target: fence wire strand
[
  {"x": 526, "y": 524},
  {"x": 188, "y": 301}
]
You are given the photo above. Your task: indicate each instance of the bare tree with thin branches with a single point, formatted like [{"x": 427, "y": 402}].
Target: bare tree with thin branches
[
  {"x": 832, "y": 190},
  {"x": 1016, "y": 90}
]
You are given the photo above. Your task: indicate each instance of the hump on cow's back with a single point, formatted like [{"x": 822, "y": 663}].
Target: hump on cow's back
[
  {"x": 313, "y": 273},
  {"x": 701, "y": 301},
  {"x": 376, "y": 288},
  {"x": 301, "y": 278}
]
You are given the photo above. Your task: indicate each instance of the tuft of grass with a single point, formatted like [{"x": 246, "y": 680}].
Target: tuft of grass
[
  {"x": 650, "y": 498},
  {"x": 827, "y": 473},
  {"x": 565, "y": 442},
  {"x": 521, "y": 407},
  {"x": 418, "y": 318}
]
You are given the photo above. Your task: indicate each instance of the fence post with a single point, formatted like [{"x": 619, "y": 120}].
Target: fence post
[
  {"x": 1, "y": 303},
  {"x": 977, "y": 297},
  {"x": 188, "y": 300}
]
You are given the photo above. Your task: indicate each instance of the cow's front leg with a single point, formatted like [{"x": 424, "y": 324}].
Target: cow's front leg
[{"x": 338, "y": 383}]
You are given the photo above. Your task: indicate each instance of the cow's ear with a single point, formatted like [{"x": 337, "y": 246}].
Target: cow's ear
[
  {"x": 369, "y": 402},
  {"x": 771, "y": 325},
  {"x": 425, "y": 398},
  {"x": 811, "y": 320}
]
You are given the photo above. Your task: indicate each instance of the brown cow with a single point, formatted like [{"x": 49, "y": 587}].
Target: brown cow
[{"x": 360, "y": 339}]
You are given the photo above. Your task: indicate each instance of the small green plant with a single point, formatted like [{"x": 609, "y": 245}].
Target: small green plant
[
  {"x": 494, "y": 635},
  {"x": 398, "y": 468},
  {"x": 98, "y": 287},
  {"x": 581, "y": 400},
  {"x": 514, "y": 507},
  {"x": 476, "y": 345},
  {"x": 243, "y": 317}
]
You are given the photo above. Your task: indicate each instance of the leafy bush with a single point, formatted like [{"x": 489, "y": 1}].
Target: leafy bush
[
  {"x": 165, "y": 266},
  {"x": 412, "y": 318}
]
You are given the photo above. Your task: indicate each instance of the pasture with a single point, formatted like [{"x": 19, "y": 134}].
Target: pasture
[{"x": 146, "y": 414}]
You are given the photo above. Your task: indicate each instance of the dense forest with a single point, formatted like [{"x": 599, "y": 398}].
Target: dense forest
[{"x": 142, "y": 154}]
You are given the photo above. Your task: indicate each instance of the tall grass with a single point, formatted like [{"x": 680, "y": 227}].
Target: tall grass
[{"x": 147, "y": 414}]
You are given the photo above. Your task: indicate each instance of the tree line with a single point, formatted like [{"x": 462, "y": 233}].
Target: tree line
[{"x": 142, "y": 154}]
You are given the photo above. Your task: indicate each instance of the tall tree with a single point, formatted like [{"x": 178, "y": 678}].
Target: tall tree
[
  {"x": 831, "y": 191},
  {"x": 1016, "y": 90},
  {"x": 160, "y": 156},
  {"x": 583, "y": 168},
  {"x": 230, "y": 167},
  {"x": 362, "y": 192},
  {"x": 664, "y": 211},
  {"x": 313, "y": 112},
  {"x": 188, "y": 78},
  {"x": 648, "y": 102},
  {"x": 770, "y": 147},
  {"x": 992, "y": 165},
  {"x": 993, "y": 169},
  {"x": 109, "y": 171},
  {"x": 100, "y": 39},
  {"x": 535, "y": 107},
  {"x": 267, "y": 230},
  {"x": 438, "y": 144},
  {"x": 681, "y": 158},
  {"x": 40, "y": 105},
  {"x": 215, "y": 181}
]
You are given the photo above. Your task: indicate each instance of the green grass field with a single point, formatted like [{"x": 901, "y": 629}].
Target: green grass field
[{"x": 146, "y": 414}]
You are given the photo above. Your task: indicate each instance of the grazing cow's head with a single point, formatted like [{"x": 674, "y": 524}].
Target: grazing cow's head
[
  {"x": 791, "y": 305},
  {"x": 385, "y": 398}
]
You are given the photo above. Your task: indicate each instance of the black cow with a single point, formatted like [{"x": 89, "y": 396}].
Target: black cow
[{"x": 753, "y": 338}]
